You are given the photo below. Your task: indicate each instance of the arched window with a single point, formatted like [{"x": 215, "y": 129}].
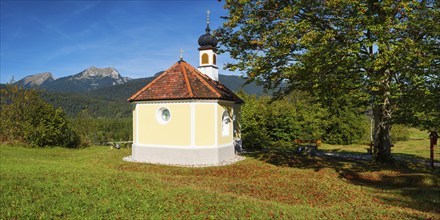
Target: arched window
[
  {"x": 214, "y": 59},
  {"x": 226, "y": 121},
  {"x": 205, "y": 58}
]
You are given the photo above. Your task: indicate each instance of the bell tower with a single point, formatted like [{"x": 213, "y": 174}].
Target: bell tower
[{"x": 208, "y": 53}]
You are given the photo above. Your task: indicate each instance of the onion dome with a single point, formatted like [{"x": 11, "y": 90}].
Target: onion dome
[{"x": 207, "y": 40}]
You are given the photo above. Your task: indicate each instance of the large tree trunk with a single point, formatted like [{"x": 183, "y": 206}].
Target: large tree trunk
[
  {"x": 382, "y": 125},
  {"x": 382, "y": 141}
]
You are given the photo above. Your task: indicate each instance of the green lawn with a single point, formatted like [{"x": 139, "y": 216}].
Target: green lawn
[{"x": 95, "y": 183}]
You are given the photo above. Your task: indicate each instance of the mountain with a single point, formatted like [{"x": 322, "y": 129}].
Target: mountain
[
  {"x": 120, "y": 92},
  {"x": 94, "y": 73},
  {"x": 237, "y": 83},
  {"x": 36, "y": 80},
  {"x": 111, "y": 101},
  {"x": 107, "y": 83},
  {"x": 123, "y": 91},
  {"x": 104, "y": 92},
  {"x": 89, "y": 79}
]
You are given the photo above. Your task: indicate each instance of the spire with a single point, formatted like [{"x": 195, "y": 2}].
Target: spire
[
  {"x": 207, "y": 40},
  {"x": 207, "y": 52}
]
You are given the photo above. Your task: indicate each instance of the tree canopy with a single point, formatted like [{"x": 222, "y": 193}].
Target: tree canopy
[
  {"x": 268, "y": 123},
  {"x": 383, "y": 54},
  {"x": 27, "y": 118}
]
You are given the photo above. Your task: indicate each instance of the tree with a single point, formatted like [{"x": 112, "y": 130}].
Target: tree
[
  {"x": 277, "y": 123},
  {"x": 254, "y": 116},
  {"x": 369, "y": 52},
  {"x": 345, "y": 126},
  {"x": 27, "y": 118}
]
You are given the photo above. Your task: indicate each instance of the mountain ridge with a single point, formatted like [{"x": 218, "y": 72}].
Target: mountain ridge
[
  {"x": 93, "y": 71},
  {"x": 94, "y": 78},
  {"x": 36, "y": 79},
  {"x": 107, "y": 99},
  {"x": 89, "y": 79}
]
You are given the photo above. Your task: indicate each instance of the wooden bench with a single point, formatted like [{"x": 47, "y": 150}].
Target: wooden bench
[
  {"x": 307, "y": 149},
  {"x": 317, "y": 142},
  {"x": 117, "y": 144}
]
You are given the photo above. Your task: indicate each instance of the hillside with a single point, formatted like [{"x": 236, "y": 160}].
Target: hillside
[
  {"x": 124, "y": 91},
  {"x": 104, "y": 92},
  {"x": 120, "y": 92},
  {"x": 237, "y": 83},
  {"x": 74, "y": 103},
  {"x": 95, "y": 183}
]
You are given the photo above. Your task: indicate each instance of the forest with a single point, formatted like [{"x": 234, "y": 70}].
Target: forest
[{"x": 266, "y": 122}]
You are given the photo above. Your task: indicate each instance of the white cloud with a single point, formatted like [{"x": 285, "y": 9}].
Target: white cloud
[{"x": 86, "y": 7}]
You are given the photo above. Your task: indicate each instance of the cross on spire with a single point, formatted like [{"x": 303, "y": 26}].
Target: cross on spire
[
  {"x": 207, "y": 16},
  {"x": 207, "y": 21},
  {"x": 181, "y": 53}
]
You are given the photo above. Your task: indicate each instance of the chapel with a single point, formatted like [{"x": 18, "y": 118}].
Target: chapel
[{"x": 186, "y": 116}]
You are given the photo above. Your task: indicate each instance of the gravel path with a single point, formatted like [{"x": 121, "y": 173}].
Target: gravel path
[
  {"x": 237, "y": 158},
  {"x": 362, "y": 156}
]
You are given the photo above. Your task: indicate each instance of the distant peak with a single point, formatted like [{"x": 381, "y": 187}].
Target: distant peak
[
  {"x": 37, "y": 79},
  {"x": 94, "y": 68},
  {"x": 107, "y": 72},
  {"x": 43, "y": 74}
]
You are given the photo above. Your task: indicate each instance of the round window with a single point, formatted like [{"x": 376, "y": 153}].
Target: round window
[{"x": 163, "y": 115}]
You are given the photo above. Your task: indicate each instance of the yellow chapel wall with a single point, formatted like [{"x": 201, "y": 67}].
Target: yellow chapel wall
[
  {"x": 176, "y": 132},
  {"x": 204, "y": 124}
]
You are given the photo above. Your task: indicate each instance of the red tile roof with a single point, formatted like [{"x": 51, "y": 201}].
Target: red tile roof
[{"x": 183, "y": 81}]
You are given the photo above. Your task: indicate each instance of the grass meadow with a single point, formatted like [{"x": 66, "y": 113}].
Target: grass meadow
[{"x": 91, "y": 183}]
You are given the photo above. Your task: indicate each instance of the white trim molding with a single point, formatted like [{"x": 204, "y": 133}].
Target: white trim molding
[
  {"x": 186, "y": 146},
  {"x": 216, "y": 125},
  {"x": 137, "y": 124},
  {"x": 177, "y": 101}
]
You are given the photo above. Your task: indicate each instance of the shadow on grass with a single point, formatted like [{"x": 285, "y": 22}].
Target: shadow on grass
[
  {"x": 289, "y": 158},
  {"x": 414, "y": 158},
  {"x": 407, "y": 177}
]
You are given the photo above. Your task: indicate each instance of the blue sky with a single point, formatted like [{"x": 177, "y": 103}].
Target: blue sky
[{"x": 138, "y": 38}]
